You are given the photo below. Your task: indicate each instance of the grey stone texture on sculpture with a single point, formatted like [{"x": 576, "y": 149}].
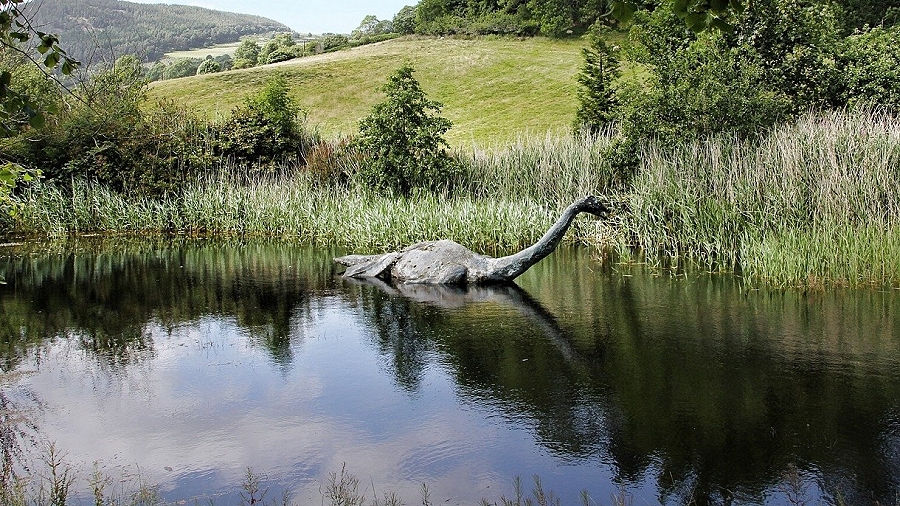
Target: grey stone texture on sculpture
[{"x": 447, "y": 262}]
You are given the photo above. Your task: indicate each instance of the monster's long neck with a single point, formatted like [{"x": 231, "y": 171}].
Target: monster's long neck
[{"x": 510, "y": 267}]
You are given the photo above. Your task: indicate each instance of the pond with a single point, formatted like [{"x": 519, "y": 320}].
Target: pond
[{"x": 187, "y": 362}]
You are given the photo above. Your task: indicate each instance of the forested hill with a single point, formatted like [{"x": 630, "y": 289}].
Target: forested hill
[{"x": 92, "y": 30}]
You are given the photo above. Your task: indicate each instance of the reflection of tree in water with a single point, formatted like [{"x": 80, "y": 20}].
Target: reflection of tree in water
[
  {"x": 714, "y": 390},
  {"x": 105, "y": 297},
  {"x": 401, "y": 333}
]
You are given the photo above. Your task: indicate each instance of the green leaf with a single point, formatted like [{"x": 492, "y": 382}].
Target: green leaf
[
  {"x": 20, "y": 36},
  {"x": 721, "y": 25},
  {"x": 697, "y": 21},
  {"x": 52, "y": 60},
  {"x": 737, "y": 6},
  {"x": 679, "y": 7},
  {"x": 623, "y": 11},
  {"x": 7, "y": 177}
]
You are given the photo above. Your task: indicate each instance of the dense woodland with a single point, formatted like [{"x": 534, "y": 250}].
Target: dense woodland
[
  {"x": 101, "y": 30},
  {"x": 564, "y": 17}
]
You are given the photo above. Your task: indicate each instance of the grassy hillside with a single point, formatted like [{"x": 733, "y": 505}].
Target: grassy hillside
[{"x": 493, "y": 90}]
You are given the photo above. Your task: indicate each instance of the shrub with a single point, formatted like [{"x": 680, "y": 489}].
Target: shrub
[
  {"x": 871, "y": 63},
  {"x": 267, "y": 129},
  {"x": 706, "y": 89},
  {"x": 403, "y": 141},
  {"x": 332, "y": 163},
  {"x": 182, "y": 67},
  {"x": 795, "y": 43},
  {"x": 209, "y": 66},
  {"x": 108, "y": 137},
  {"x": 280, "y": 48},
  {"x": 404, "y": 21},
  {"x": 247, "y": 52}
]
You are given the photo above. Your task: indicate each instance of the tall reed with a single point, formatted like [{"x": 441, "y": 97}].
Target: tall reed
[
  {"x": 808, "y": 203},
  {"x": 290, "y": 207},
  {"x": 814, "y": 200}
]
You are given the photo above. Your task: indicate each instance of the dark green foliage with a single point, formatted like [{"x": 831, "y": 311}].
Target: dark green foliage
[
  {"x": 371, "y": 26},
  {"x": 795, "y": 43},
  {"x": 596, "y": 92},
  {"x": 782, "y": 58},
  {"x": 106, "y": 137},
  {"x": 281, "y": 47},
  {"x": 704, "y": 89},
  {"x": 247, "y": 53},
  {"x": 265, "y": 130},
  {"x": 209, "y": 66},
  {"x": 146, "y": 30},
  {"x": 182, "y": 67},
  {"x": 404, "y": 21},
  {"x": 857, "y": 14},
  {"x": 402, "y": 140},
  {"x": 331, "y": 41},
  {"x": 871, "y": 63},
  {"x": 514, "y": 17}
]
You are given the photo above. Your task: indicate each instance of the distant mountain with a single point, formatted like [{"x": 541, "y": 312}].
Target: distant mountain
[{"x": 95, "y": 30}]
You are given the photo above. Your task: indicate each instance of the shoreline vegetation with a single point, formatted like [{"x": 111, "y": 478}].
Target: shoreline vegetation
[{"x": 809, "y": 204}]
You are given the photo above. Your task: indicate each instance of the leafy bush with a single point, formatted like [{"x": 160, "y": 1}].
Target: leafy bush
[
  {"x": 331, "y": 41},
  {"x": 402, "y": 140},
  {"x": 108, "y": 137},
  {"x": 279, "y": 48},
  {"x": 209, "y": 66},
  {"x": 404, "y": 21},
  {"x": 871, "y": 62},
  {"x": 247, "y": 51},
  {"x": 266, "y": 129},
  {"x": 182, "y": 67},
  {"x": 795, "y": 43},
  {"x": 331, "y": 163},
  {"x": 707, "y": 89}
]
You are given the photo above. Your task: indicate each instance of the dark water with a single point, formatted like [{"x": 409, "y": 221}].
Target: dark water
[{"x": 184, "y": 364}]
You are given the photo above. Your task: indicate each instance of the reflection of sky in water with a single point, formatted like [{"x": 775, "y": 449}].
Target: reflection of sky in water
[
  {"x": 583, "y": 377},
  {"x": 208, "y": 402}
]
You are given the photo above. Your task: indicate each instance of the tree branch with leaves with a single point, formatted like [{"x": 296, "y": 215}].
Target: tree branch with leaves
[{"x": 17, "y": 108}]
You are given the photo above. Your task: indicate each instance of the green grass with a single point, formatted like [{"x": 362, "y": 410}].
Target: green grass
[{"x": 493, "y": 89}]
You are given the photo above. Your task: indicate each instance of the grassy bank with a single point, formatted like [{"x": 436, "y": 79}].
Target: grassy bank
[
  {"x": 809, "y": 204},
  {"x": 493, "y": 89}
]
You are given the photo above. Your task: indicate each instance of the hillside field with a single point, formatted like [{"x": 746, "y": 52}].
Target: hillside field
[{"x": 493, "y": 90}]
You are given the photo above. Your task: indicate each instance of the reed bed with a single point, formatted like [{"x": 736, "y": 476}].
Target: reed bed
[
  {"x": 554, "y": 169},
  {"x": 812, "y": 203},
  {"x": 288, "y": 207}
]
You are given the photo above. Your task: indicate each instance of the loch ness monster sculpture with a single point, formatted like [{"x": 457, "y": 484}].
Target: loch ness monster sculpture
[{"x": 447, "y": 262}]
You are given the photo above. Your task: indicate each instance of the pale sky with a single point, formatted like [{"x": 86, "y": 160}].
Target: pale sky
[{"x": 319, "y": 16}]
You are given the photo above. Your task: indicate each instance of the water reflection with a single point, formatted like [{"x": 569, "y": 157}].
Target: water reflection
[{"x": 701, "y": 388}]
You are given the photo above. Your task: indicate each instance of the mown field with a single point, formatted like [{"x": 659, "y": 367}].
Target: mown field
[{"x": 493, "y": 90}]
